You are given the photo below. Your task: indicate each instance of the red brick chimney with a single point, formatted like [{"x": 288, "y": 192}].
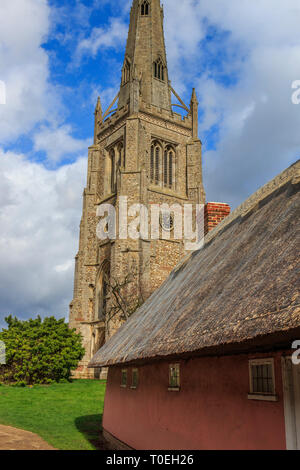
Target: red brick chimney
[{"x": 214, "y": 213}]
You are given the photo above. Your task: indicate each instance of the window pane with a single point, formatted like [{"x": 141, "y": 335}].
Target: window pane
[
  {"x": 262, "y": 378},
  {"x": 166, "y": 168},
  {"x": 174, "y": 380},
  {"x": 152, "y": 164},
  {"x": 157, "y": 165},
  {"x": 134, "y": 378},
  {"x": 124, "y": 378},
  {"x": 170, "y": 169},
  {"x": 270, "y": 386}
]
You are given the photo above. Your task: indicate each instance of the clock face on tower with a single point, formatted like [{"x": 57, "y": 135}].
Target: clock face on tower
[{"x": 166, "y": 221}]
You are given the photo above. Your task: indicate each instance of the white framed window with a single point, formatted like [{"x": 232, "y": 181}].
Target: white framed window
[
  {"x": 135, "y": 378},
  {"x": 262, "y": 379},
  {"x": 124, "y": 378},
  {"x": 174, "y": 377}
]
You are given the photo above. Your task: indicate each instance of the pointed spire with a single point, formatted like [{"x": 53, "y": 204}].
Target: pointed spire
[
  {"x": 98, "y": 118},
  {"x": 98, "y": 109},
  {"x": 194, "y": 97},
  {"x": 145, "y": 56},
  {"x": 194, "y": 114}
]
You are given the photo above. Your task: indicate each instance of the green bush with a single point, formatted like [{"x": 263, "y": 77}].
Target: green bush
[
  {"x": 39, "y": 351},
  {"x": 21, "y": 383}
]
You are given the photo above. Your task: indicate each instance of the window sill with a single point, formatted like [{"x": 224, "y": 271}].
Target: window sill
[
  {"x": 159, "y": 79},
  {"x": 156, "y": 188},
  {"x": 123, "y": 386},
  {"x": 133, "y": 388},
  {"x": 105, "y": 198},
  {"x": 256, "y": 396},
  {"x": 174, "y": 389}
]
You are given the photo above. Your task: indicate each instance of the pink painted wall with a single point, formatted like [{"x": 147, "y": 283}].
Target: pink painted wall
[{"x": 211, "y": 411}]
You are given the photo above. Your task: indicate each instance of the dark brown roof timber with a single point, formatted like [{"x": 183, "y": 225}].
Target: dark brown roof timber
[{"x": 240, "y": 290}]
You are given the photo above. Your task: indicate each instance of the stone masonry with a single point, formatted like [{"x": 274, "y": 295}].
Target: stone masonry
[{"x": 147, "y": 152}]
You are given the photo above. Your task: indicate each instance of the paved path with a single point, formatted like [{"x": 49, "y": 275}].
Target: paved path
[{"x": 16, "y": 439}]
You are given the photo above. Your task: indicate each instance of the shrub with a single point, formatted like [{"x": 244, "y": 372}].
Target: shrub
[{"x": 39, "y": 351}]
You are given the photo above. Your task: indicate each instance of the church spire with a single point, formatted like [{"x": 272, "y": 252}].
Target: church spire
[{"x": 145, "y": 70}]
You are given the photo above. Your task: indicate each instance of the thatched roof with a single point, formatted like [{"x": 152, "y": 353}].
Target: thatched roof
[{"x": 242, "y": 285}]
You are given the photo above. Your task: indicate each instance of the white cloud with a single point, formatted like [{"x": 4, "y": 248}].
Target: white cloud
[
  {"x": 39, "y": 220},
  {"x": 183, "y": 31},
  {"x": 58, "y": 143},
  {"x": 271, "y": 22},
  {"x": 24, "y": 67},
  {"x": 259, "y": 43},
  {"x": 113, "y": 36}
]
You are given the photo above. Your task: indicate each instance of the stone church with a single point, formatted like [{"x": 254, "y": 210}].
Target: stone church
[{"x": 147, "y": 152}]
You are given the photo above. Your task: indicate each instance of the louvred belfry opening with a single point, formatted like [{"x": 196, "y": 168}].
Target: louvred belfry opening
[{"x": 145, "y": 8}]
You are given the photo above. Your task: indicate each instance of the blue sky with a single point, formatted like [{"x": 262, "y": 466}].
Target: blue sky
[{"x": 242, "y": 57}]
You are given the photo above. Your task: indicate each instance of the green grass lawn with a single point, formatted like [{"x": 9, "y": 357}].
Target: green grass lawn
[{"x": 67, "y": 416}]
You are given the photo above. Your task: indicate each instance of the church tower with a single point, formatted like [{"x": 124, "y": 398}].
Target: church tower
[{"x": 143, "y": 150}]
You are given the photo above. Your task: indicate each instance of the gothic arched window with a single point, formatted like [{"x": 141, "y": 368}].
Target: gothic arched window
[
  {"x": 152, "y": 164},
  {"x": 169, "y": 162},
  {"x": 170, "y": 169},
  {"x": 126, "y": 72},
  {"x": 159, "y": 69},
  {"x": 113, "y": 170},
  {"x": 166, "y": 168},
  {"x": 121, "y": 153},
  {"x": 102, "y": 292},
  {"x": 145, "y": 8},
  {"x": 155, "y": 163}
]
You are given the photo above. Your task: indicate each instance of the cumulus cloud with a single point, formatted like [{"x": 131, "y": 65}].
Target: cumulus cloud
[
  {"x": 24, "y": 67},
  {"x": 110, "y": 37},
  {"x": 243, "y": 57},
  {"x": 39, "y": 220},
  {"x": 31, "y": 98},
  {"x": 58, "y": 143}
]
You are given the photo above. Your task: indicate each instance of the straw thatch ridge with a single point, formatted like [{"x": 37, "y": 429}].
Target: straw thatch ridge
[{"x": 243, "y": 284}]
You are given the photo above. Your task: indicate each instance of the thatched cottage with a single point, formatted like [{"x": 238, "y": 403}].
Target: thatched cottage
[{"x": 210, "y": 360}]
